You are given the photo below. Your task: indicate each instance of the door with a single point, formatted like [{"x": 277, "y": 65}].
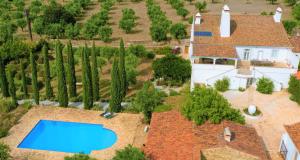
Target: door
[{"x": 246, "y": 54}]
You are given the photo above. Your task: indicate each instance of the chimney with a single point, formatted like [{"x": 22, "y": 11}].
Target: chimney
[
  {"x": 198, "y": 18},
  {"x": 225, "y": 22},
  {"x": 277, "y": 15},
  {"x": 227, "y": 134}
]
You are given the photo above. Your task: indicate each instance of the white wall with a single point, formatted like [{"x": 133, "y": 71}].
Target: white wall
[
  {"x": 280, "y": 76},
  {"x": 284, "y": 55},
  {"x": 290, "y": 147},
  {"x": 208, "y": 74}
]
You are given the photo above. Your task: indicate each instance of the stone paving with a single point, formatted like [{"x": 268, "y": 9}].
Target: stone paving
[
  {"x": 277, "y": 109},
  {"x": 126, "y": 126}
]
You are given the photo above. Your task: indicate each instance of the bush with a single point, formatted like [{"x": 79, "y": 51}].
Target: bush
[
  {"x": 294, "y": 89},
  {"x": 162, "y": 108},
  {"x": 206, "y": 104},
  {"x": 163, "y": 50},
  {"x": 265, "y": 85},
  {"x": 6, "y": 105},
  {"x": 173, "y": 93},
  {"x": 178, "y": 31},
  {"x": 129, "y": 153},
  {"x": 241, "y": 89},
  {"x": 150, "y": 55},
  {"x": 137, "y": 50},
  {"x": 79, "y": 157},
  {"x": 222, "y": 85},
  {"x": 172, "y": 68},
  {"x": 146, "y": 100},
  {"x": 4, "y": 152},
  {"x": 289, "y": 25}
]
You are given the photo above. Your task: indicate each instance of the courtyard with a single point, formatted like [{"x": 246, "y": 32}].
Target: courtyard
[
  {"x": 128, "y": 128},
  {"x": 277, "y": 110}
]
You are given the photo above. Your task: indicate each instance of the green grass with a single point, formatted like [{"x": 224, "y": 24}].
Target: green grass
[{"x": 163, "y": 108}]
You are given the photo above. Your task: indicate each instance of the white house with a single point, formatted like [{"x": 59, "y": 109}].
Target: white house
[
  {"x": 242, "y": 48},
  {"x": 290, "y": 143}
]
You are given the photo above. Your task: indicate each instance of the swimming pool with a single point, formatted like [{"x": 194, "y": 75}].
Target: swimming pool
[{"x": 68, "y": 137}]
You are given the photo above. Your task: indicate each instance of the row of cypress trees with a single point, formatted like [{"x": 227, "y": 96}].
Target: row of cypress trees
[
  {"x": 90, "y": 77},
  {"x": 119, "y": 84}
]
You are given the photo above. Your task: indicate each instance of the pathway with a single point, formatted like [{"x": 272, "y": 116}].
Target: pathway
[{"x": 277, "y": 109}]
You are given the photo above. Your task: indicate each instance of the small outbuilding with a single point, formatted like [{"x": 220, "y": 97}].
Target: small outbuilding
[{"x": 290, "y": 142}]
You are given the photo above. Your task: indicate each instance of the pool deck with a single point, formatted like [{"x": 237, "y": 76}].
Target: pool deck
[{"x": 128, "y": 128}]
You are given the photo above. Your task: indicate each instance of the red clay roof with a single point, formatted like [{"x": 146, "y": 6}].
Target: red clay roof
[
  {"x": 294, "y": 133},
  {"x": 214, "y": 51},
  {"x": 297, "y": 75},
  {"x": 246, "y": 30},
  {"x": 295, "y": 41},
  {"x": 172, "y": 137}
]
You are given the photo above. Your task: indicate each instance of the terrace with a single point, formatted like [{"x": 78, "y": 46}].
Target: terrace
[{"x": 128, "y": 128}]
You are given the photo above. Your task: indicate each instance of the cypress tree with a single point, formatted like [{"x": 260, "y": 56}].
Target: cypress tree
[
  {"x": 47, "y": 76},
  {"x": 115, "y": 93},
  {"x": 12, "y": 87},
  {"x": 61, "y": 77},
  {"x": 24, "y": 80},
  {"x": 36, "y": 94},
  {"x": 87, "y": 80},
  {"x": 71, "y": 77},
  {"x": 122, "y": 70},
  {"x": 95, "y": 73},
  {"x": 3, "y": 80}
]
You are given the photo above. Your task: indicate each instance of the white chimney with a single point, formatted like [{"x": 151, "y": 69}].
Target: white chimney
[
  {"x": 227, "y": 134},
  {"x": 192, "y": 30},
  {"x": 198, "y": 18},
  {"x": 277, "y": 15},
  {"x": 225, "y": 22}
]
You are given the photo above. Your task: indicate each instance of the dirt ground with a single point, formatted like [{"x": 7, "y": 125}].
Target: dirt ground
[
  {"x": 141, "y": 33},
  {"x": 277, "y": 110}
]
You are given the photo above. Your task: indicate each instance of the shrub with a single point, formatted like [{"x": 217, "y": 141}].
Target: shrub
[
  {"x": 206, "y": 104},
  {"x": 201, "y": 6},
  {"x": 6, "y": 105},
  {"x": 241, "y": 89},
  {"x": 146, "y": 100},
  {"x": 172, "y": 68},
  {"x": 4, "y": 152},
  {"x": 150, "y": 55},
  {"x": 162, "y": 108},
  {"x": 178, "y": 31},
  {"x": 190, "y": 19},
  {"x": 294, "y": 89},
  {"x": 137, "y": 50},
  {"x": 265, "y": 85},
  {"x": 163, "y": 50},
  {"x": 289, "y": 25},
  {"x": 79, "y": 157},
  {"x": 129, "y": 153},
  {"x": 222, "y": 85},
  {"x": 264, "y": 13},
  {"x": 173, "y": 93}
]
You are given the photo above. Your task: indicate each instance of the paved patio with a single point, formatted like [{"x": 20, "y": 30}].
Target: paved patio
[
  {"x": 277, "y": 110},
  {"x": 128, "y": 128}
]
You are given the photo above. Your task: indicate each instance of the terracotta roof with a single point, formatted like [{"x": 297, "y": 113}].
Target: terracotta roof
[
  {"x": 294, "y": 132},
  {"x": 295, "y": 41},
  {"x": 214, "y": 51},
  {"x": 297, "y": 75},
  {"x": 246, "y": 30},
  {"x": 172, "y": 137}
]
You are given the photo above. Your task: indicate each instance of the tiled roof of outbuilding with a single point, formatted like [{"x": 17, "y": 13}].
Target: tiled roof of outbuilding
[{"x": 172, "y": 137}]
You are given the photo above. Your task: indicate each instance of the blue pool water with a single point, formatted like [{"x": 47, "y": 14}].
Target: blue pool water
[{"x": 68, "y": 137}]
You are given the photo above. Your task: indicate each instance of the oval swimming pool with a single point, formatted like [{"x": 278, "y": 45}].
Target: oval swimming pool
[{"x": 71, "y": 137}]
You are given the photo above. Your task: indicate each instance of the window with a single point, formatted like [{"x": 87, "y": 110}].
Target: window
[
  {"x": 274, "y": 53},
  {"x": 283, "y": 150},
  {"x": 246, "y": 54}
]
